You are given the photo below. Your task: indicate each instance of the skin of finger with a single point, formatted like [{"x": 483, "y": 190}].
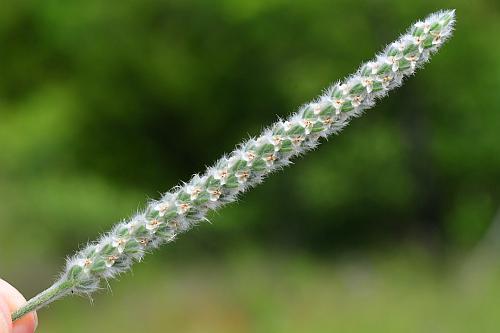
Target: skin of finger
[
  {"x": 5, "y": 321},
  {"x": 14, "y": 300}
]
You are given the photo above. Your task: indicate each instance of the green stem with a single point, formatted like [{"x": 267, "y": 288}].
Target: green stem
[{"x": 59, "y": 289}]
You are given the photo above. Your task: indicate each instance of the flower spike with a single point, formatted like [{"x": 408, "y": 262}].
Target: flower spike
[{"x": 184, "y": 206}]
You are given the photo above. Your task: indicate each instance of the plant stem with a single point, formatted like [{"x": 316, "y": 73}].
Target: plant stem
[{"x": 57, "y": 290}]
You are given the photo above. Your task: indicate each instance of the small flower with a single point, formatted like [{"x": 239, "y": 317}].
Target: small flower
[
  {"x": 242, "y": 176},
  {"x": 174, "y": 225},
  {"x": 367, "y": 82},
  {"x": 437, "y": 38},
  {"x": 249, "y": 156},
  {"x": 153, "y": 224},
  {"x": 86, "y": 263},
  {"x": 389, "y": 79},
  {"x": 182, "y": 207},
  {"x": 110, "y": 260},
  {"x": 307, "y": 124},
  {"x": 419, "y": 41},
  {"x": 356, "y": 101},
  {"x": 425, "y": 26},
  {"x": 412, "y": 58},
  {"x": 386, "y": 80},
  {"x": 161, "y": 208},
  {"x": 193, "y": 191},
  {"x": 277, "y": 139},
  {"x": 394, "y": 61},
  {"x": 337, "y": 104},
  {"x": 270, "y": 159},
  {"x": 144, "y": 242},
  {"x": 316, "y": 107},
  {"x": 221, "y": 175},
  {"x": 297, "y": 140},
  {"x": 214, "y": 194},
  {"x": 119, "y": 244},
  {"x": 327, "y": 121}
]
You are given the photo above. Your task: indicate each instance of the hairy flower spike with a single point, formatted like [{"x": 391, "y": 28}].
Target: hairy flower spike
[{"x": 186, "y": 205}]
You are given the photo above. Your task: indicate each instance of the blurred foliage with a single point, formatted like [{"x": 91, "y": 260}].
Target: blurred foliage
[
  {"x": 269, "y": 293},
  {"x": 106, "y": 103}
]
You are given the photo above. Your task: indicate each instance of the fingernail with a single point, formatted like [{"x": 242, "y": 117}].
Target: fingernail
[
  {"x": 5, "y": 322},
  {"x": 21, "y": 328},
  {"x": 26, "y": 326},
  {"x": 36, "y": 320},
  {"x": 4, "y": 326}
]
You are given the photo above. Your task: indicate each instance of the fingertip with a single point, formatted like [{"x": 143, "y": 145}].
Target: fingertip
[{"x": 13, "y": 301}]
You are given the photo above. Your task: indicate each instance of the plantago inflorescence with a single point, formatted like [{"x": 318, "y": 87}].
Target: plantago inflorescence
[{"x": 186, "y": 205}]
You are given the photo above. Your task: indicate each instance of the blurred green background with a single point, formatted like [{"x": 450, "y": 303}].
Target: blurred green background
[{"x": 389, "y": 227}]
